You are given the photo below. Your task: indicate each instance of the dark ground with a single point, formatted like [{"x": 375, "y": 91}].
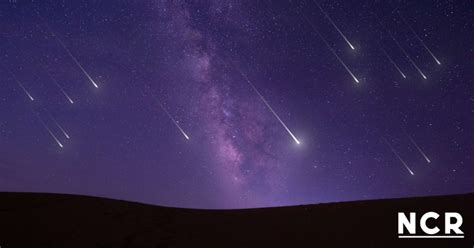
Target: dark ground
[{"x": 55, "y": 220}]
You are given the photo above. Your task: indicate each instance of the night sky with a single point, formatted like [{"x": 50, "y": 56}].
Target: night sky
[{"x": 167, "y": 71}]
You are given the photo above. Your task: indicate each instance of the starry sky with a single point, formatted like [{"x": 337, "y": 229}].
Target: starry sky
[{"x": 180, "y": 114}]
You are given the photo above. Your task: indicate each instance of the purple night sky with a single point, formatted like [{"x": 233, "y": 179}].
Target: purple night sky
[{"x": 168, "y": 70}]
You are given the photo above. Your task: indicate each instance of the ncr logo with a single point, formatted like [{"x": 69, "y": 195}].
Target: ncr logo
[{"x": 431, "y": 225}]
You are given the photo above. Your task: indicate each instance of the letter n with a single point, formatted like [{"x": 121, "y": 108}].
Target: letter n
[{"x": 410, "y": 225}]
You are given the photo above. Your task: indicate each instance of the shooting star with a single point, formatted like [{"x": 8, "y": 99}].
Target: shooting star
[
  {"x": 60, "y": 127},
  {"x": 401, "y": 48},
  {"x": 25, "y": 90},
  {"x": 27, "y": 93},
  {"x": 175, "y": 122},
  {"x": 393, "y": 63},
  {"x": 68, "y": 51},
  {"x": 268, "y": 106},
  {"x": 330, "y": 48},
  {"x": 398, "y": 156},
  {"x": 419, "y": 38},
  {"x": 60, "y": 88},
  {"x": 335, "y": 26},
  {"x": 56, "y": 123},
  {"x": 419, "y": 148},
  {"x": 49, "y": 130}
]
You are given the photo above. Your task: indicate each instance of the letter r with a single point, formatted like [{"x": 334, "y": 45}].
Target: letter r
[{"x": 448, "y": 226}]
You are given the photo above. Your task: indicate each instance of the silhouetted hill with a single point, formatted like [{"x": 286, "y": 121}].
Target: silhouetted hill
[{"x": 56, "y": 220}]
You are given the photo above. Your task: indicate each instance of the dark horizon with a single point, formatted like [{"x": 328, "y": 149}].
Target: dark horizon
[
  {"x": 51, "y": 220},
  {"x": 229, "y": 104}
]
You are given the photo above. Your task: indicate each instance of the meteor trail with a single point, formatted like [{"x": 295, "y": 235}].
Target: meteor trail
[
  {"x": 68, "y": 52},
  {"x": 26, "y": 91},
  {"x": 49, "y": 130},
  {"x": 408, "y": 57},
  {"x": 335, "y": 26},
  {"x": 398, "y": 156},
  {"x": 419, "y": 38},
  {"x": 268, "y": 106},
  {"x": 401, "y": 48},
  {"x": 60, "y": 88},
  {"x": 19, "y": 83},
  {"x": 419, "y": 149},
  {"x": 393, "y": 63},
  {"x": 330, "y": 48},
  {"x": 176, "y": 123},
  {"x": 56, "y": 123},
  {"x": 60, "y": 127}
]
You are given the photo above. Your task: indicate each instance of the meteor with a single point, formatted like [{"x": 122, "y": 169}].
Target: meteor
[
  {"x": 419, "y": 38},
  {"x": 26, "y": 91},
  {"x": 409, "y": 58},
  {"x": 49, "y": 130},
  {"x": 175, "y": 122},
  {"x": 19, "y": 84},
  {"x": 268, "y": 106},
  {"x": 56, "y": 123},
  {"x": 330, "y": 48},
  {"x": 419, "y": 149},
  {"x": 68, "y": 52},
  {"x": 335, "y": 26},
  {"x": 60, "y": 128},
  {"x": 401, "y": 48},
  {"x": 398, "y": 156},
  {"x": 60, "y": 88},
  {"x": 393, "y": 63}
]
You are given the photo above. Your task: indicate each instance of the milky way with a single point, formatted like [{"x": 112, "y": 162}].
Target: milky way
[{"x": 237, "y": 127}]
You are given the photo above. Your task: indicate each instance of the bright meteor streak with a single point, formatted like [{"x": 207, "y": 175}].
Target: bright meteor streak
[
  {"x": 19, "y": 84},
  {"x": 60, "y": 128},
  {"x": 398, "y": 156},
  {"x": 76, "y": 61},
  {"x": 175, "y": 122},
  {"x": 49, "y": 130},
  {"x": 26, "y": 91},
  {"x": 56, "y": 123},
  {"x": 60, "y": 88},
  {"x": 330, "y": 48},
  {"x": 69, "y": 53},
  {"x": 335, "y": 26},
  {"x": 269, "y": 107},
  {"x": 393, "y": 63},
  {"x": 410, "y": 59},
  {"x": 403, "y": 50},
  {"x": 419, "y": 39},
  {"x": 419, "y": 149}
]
